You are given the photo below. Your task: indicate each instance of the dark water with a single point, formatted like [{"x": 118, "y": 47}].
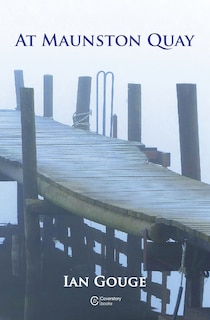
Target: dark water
[
  {"x": 54, "y": 301},
  {"x": 58, "y": 303}
]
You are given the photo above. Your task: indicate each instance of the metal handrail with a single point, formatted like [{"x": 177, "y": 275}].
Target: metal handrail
[{"x": 105, "y": 74}]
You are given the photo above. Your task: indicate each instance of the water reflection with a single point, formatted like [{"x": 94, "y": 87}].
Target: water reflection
[{"x": 59, "y": 303}]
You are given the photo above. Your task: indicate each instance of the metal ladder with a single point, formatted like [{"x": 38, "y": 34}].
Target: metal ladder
[{"x": 104, "y": 92}]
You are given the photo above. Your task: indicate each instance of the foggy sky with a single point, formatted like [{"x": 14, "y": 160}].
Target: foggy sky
[{"x": 156, "y": 70}]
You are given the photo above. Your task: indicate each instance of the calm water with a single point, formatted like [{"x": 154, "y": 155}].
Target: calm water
[{"x": 8, "y": 215}]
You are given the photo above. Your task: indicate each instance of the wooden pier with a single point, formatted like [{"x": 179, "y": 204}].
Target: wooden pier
[
  {"x": 112, "y": 182},
  {"x": 107, "y": 180}
]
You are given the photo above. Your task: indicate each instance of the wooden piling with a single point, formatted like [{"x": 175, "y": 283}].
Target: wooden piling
[
  {"x": 190, "y": 163},
  {"x": 134, "y": 112},
  {"x": 188, "y": 130},
  {"x": 110, "y": 270},
  {"x": 15, "y": 255},
  {"x": 30, "y": 185},
  {"x": 114, "y": 121},
  {"x": 133, "y": 264},
  {"x": 48, "y": 95},
  {"x": 31, "y": 221},
  {"x": 81, "y": 116},
  {"x": 20, "y": 220},
  {"x": 20, "y": 207},
  {"x": 19, "y": 83},
  {"x": 194, "y": 280},
  {"x": 47, "y": 220},
  {"x": 79, "y": 253},
  {"x": 134, "y": 134}
]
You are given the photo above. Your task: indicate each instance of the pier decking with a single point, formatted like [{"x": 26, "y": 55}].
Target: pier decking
[{"x": 107, "y": 180}]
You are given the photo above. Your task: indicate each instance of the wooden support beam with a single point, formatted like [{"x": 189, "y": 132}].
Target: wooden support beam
[
  {"x": 197, "y": 314},
  {"x": 156, "y": 289},
  {"x": 167, "y": 257},
  {"x": 164, "y": 159},
  {"x": 114, "y": 121},
  {"x": 79, "y": 249},
  {"x": 28, "y": 143},
  {"x": 190, "y": 163},
  {"x": 43, "y": 207},
  {"x": 81, "y": 116},
  {"x": 197, "y": 261},
  {"x": 134, "y": 112},
  {"x": 162, "y": 256},
  {"x": 20, "y": 240},
  {"x": 133, "y": 265},
  {"x": 11, "y": 170},
  {"x": 114, "y": 217},
  {"x": 19, "y": 83},
  {"x": 194, "y": 290},
  {"x": 30, "y": 191},
  {"x": 110, "y": 267},
  {"x": 188, "y": 130},
  {"x": 20, "y": 207},
  {"x": 3, "y": 177},
  {"x": 48, "y": 95},
  {"x": 8, "y": 230},
  {"x": 158, "y": 157}
]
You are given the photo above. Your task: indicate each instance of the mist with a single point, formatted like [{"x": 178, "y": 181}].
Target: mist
[{"x": 157, "y": 70}]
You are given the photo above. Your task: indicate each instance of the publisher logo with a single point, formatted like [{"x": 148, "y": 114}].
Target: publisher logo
[
  {"x": 94, "y": 300},
  {"x": 104, "y": 301}
]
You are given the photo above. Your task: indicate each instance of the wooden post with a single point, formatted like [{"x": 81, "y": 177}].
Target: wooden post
[
  {"x": 19, "y": 83},
  {"x": 81, "y": 117},
  {"x": 134, "y": 264},
  {"x": 47, "y": 235},
  {"x": 20, "y": 219},
  {"x": 194, "y": 290},
  {"x": 20, "y": 208},
  {"x": 114, "y": 119},
  {"x": 194, "y": 279},
  {"x": 134, "y": 134},
  {"x": 48, "y": 249},
  {"x": 48, "y": 95},
  {"x": 134, "y": 112},
  {"x": 190, "y": 163},
  {"x": 110, "y": 270},
  {"x": 188, "y": 130},
  {"x": 31, "y": 221},
  {"x": 79, "y": 252}
]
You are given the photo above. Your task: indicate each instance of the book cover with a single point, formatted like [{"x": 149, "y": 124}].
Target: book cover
[{"x": 99, "y": 74}]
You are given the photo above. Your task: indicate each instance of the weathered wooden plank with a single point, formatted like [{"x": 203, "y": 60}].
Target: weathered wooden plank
[{"x": 113, "y": 176}]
